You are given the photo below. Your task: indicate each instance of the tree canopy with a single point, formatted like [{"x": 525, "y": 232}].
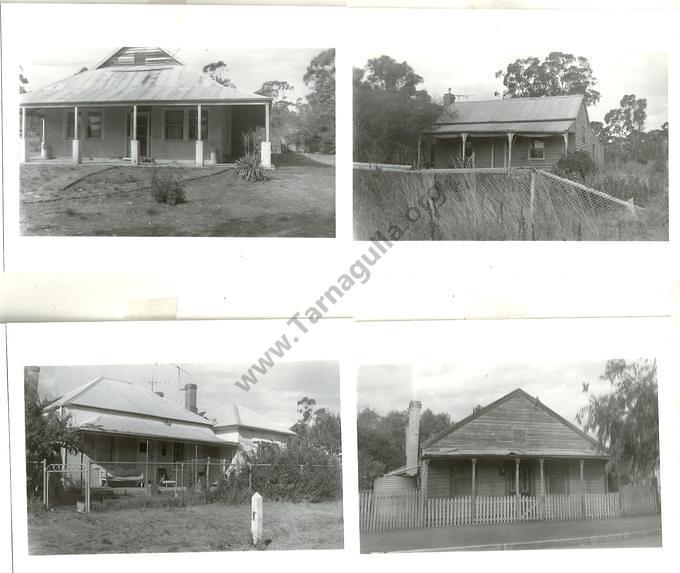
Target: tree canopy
[
  {"x": 318, "y": 115},
  {"x": 317, "y": 428},
  {"x": 382, "y": 440},
  {"x": 390, "y": 112},
  {"x": 626, "y": 419},
  {"x": 219, "y": 71},
  {"x": 558, "y": 74},
  {"x": 46, "y": 434}
]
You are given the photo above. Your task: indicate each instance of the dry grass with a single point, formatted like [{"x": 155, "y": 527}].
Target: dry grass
[
  {"x": 212, "y": 527},
  {"x": 298, "y": 201}
]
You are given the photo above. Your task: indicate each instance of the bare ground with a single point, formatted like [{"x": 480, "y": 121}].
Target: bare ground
[
  {"x": 212, "y": 527},
  {"x": 95, "y": 200}
]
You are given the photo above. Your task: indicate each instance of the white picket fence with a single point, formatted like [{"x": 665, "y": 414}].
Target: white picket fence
[{"x": 381, "y": 512}]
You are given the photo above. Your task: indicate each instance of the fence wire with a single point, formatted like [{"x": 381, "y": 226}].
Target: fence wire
[{"x": 486, "y": 204}]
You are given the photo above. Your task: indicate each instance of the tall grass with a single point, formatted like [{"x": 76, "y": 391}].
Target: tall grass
[{"x": 481, "y": 206}]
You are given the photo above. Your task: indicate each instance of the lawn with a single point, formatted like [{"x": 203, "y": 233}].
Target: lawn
[
  {"x": 213, "y": 527},
  {"x": 100, "y": 200}
]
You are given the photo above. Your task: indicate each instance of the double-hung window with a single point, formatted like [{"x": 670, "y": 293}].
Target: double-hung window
[{"x": 174, "y": 124}]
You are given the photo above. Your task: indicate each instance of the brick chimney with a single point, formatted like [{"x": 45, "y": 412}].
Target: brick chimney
[
  {"x": 449, "y": 99},
  {"x": 190, "y": 397},
  {"x": 31, "y": 377},
  {"x": 412, "y": 436}
]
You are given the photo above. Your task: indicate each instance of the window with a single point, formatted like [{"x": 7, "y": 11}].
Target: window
[
  {"x": 94, "y": 125},
  {"x": 178, "y": 452},
  {"x": 142, "y": 447},
  {"x": 519, "y": 437},
  {"x": 174, "y": 124},
  {"x": 70, "y": 118},
  {"x": 164, "y": 449},
  {"x": 536, "y": 149},
  {"x": 193, "y": 120}
]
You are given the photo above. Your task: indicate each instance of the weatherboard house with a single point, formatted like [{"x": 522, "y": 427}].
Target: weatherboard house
[
  {"x": 514, "y": 132},
  {"x": 142, "y": 104},
  {"x": 139, "y": 437},
  {"x": 514, "y": 446}
]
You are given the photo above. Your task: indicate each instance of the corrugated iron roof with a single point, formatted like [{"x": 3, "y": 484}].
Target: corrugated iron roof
[
  {"x": 503, "y": 127},
  {"x": 236, "y": 415},
  {"x": 137, "y": 85},
  {"x": 554, "y": 114},
  {"x": 513, "y": 109},
  {"x": 131, "y": 425},
  {"x": 125, "y": 397}
]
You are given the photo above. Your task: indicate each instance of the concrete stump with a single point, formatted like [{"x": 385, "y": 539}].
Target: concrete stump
[{"x": 256, "y": 518}]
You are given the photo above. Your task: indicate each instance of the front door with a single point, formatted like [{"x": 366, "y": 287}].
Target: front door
[
  {"x": 144, "y": 449},
  {"x": 143, "y": 133}
]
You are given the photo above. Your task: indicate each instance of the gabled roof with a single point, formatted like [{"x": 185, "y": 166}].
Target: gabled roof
[
  {"x": 121, "y": 397},
  {"x": 500, "y": 447},
  {"x": 237, "y": 416},
  {"x": 160, "y": 79},
  {"x": 555, "y": 114},
  {"x": 129, "y": 56}
]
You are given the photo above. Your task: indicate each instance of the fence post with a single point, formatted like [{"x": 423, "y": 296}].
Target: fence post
[
  {"x": 256, "y": 518},
  {"x": 518, "y": 508},
  {"x": 532, "y": 199},
  {"x": 250, "y": 477},
  {"x": 87, "y": 485},
  {"x": 45, "y": 486}
]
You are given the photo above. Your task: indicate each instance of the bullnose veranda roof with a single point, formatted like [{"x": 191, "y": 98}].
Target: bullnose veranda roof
[
  {"x": 555, "y": 114},
  {"x": 155, "y": 81}
]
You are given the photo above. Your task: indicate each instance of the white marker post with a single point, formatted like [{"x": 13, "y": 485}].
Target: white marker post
[{"x": 256, "y": 518}]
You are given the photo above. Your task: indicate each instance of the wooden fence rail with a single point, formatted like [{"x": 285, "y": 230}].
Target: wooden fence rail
[{"x": 381, "y": 512}]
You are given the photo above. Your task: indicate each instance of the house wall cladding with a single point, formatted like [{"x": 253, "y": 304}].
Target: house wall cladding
[
  {"x": 585, "y": 139},
  {"x": 496, "y": 428},
  {"x": 114, "y": 142},
  {"x": 494, "y": 478},
  {"x": 447, "y": 152}
]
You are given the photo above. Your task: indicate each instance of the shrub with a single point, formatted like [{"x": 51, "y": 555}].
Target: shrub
[
  {"x": 166, "y": 187},
  {"x": 249, "y": 168},
  {"x": 576, "y": 164}
]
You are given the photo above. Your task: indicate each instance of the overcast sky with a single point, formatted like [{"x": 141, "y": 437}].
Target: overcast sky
[
  {"x": 618, "y": 72},
  {"x": 458, "y": 388},
  {"x": 248, "y": 68},
  {"x": 274, "y": 397}
]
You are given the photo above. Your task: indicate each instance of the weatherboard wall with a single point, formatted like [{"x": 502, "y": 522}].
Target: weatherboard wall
[{"x": 496, "y": 477}]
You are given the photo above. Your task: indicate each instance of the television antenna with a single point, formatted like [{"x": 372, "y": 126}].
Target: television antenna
[{"x": 179, "y": 381}]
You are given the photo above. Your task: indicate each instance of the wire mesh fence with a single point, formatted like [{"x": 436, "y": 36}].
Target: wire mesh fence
[
  {"x": 487, "y": 204},
  {"x": 80, "y": 485}
]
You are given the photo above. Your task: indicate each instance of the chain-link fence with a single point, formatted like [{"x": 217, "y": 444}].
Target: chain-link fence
[{"x": 487, "y": 204}]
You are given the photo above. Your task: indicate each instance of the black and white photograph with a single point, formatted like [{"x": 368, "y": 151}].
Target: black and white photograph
[
  {"x": 525, "y": 136},
  {"x": 174, "y": 140},
  {"x": 131, "y": 445},
  {"x": 193, "y": 456},
  {"x": 459, "y": 454}
]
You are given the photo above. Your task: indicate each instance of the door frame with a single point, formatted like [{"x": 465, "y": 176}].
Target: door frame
[{"x": 147, "y": 116}]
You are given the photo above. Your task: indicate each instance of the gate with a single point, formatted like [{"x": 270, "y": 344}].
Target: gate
[{"x": 89, "y": 473}]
